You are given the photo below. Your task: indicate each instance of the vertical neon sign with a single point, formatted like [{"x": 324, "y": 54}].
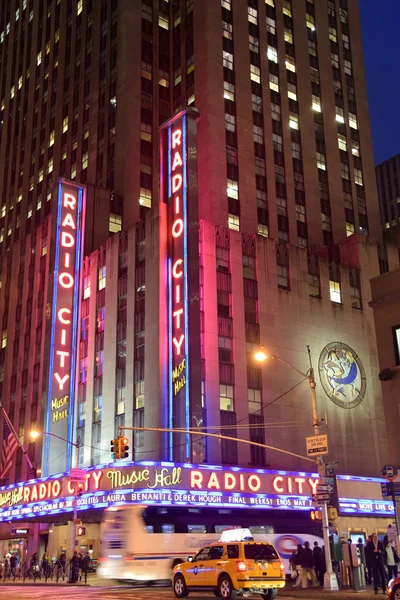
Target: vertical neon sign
[
  {"x": 69, "y": 235},
  {"x": 178, "y": 168}
]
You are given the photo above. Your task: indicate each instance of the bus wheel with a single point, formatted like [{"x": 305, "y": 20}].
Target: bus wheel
[{"x": 180, "y": 589}]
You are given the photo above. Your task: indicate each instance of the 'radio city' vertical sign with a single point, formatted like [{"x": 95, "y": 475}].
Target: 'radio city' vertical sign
[
  {"x": 69, "y": 233},
  {"x": 179, "y": 192}
]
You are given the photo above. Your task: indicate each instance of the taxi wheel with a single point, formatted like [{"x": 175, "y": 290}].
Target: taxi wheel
[
  {"x": 225, "y": 588},
  {"x": 271, "y": 595},
  {"x": 180, "y": 589},
  {"x": 396, "y": 593}
]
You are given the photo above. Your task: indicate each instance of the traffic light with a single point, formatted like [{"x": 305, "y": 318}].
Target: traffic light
[
  {"x": 115, "y": 448},
  {"x": 123, "y": 449},
  {"x": 316, "y": 514},
  {"x": 79, "y": 489}
]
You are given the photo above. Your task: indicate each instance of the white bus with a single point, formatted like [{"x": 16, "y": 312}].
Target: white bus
[{"x": 132, "y": 551}]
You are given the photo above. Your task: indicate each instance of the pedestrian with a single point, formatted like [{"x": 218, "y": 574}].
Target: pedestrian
[
  {"x": 369, "y": 556},
  {"x": 49, "y": 564},
  {"x": 307, "y": 567},
  {"x": 13, "y": 563},
  {"x": 44, "y": 564},
  {"x": 319, "y": 562},
  {"x": 391, "y": 558},
  {"x": 376, "y": 550},
  {"x": 74, "y": 573},
  {"x": 295, "y": 565}
]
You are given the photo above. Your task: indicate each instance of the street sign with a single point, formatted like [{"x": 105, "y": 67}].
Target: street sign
[
  {"x": 321, "y": 497},
  {"x": 322, "y": 488},
  {"x": 387, "y": 489},
  {"x": 77, "y": 475},
  {"x": 390, "y": 472},
  {"x": 317, "y": 444},
  {"x": 331, "y": 467}
]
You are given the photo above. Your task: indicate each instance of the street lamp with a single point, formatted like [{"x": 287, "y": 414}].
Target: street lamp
[
  {"x": 34, "y": 435},
  {"x": 330, "y": 581}
]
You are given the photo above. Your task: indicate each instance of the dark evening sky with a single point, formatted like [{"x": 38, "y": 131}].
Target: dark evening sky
[{"x": 380, "y": 21}]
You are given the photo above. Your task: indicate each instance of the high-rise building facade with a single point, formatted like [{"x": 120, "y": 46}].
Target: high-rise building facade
[
  {"x": 286, "y": 226},
  {"x": 387, "y": 177}
]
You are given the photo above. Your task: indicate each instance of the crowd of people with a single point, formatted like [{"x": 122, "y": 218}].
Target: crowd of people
[
  {"x": 380, "y": 560},
  {"x": 36, "y": 568}
]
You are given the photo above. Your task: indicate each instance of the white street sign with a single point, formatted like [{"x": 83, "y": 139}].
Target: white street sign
[{"x": 317, "y": 444}]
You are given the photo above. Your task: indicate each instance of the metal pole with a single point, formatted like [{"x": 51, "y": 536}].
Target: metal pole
[
  {"x": 330, "y": 580},
  {"x": 395, "y": 510},
  {"x": 75, "y": 503}
]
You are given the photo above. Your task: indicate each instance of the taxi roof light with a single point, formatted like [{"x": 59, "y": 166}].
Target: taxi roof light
[{"x": 236, "y": 535}]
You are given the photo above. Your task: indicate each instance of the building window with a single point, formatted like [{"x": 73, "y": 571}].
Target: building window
[
  {"x": 225, "y": 350},
  {"x": 396, "y": 338},
  {"x": 139, "y": 394},
  {"x": 342, "y": 142},
  {"x": 226, "y": 397},
  {"x": 255, "y": 74},
  {"x": 335, "y": 292},
  {"x": 4, "y": 339},
  {"x": 234, "y": 222},
  {"x": 355, "y": 289},
  {"x": 272, "y": 54},
  {"x": 349, "y": 228},
  {"x": 254, "y": 398},
  {"x": 86, "y": 287},
  {"x": 232, "y": 189},
  {"x": 115, "y": 223},
  {"x": 262, "y": 230},
  {"x": 101, "y": 277}
]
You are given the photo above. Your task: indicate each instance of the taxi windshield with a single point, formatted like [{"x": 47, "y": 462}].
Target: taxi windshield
[{"x": 260, "y": 552}]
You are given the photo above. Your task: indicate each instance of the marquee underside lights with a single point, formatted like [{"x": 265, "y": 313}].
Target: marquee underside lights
[
  {"x": 68, "y": 230},
  {"x": 173, "y": 484}
]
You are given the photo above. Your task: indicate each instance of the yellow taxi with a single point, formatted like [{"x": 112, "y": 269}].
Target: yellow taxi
[{"x": 235, "y": 564}]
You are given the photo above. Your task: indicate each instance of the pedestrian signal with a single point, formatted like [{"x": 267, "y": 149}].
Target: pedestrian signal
[
  {"x": 316, "y": 514},
  {"x": 80, "y": 531},
  {"x": 332, "y": 513}
]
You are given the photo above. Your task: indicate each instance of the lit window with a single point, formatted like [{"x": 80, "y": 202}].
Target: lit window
[
  {"x": 332, "y": 34},
  {"x": 146, "y": 70},
  {"x": 252, "y": 15},
  {"x": 3, "y": 210},
  {"x": 287, "y": 8},
  {"x": 233, "y": 222},
  {"x": 326, "y": 222},
  {"x": 355, "y": 148},
  {"x": 321, "y": 161},
  {"x": 51, "y": 139},
  {"x": 339, "y": 114},
  {"x": 232, "y": 189},
  {"x": 358, "y": 177},
  {"x": 229, "y": 91},
  {"x": 17, "y": 14},
  {"x": 101, "y": 277},
  {"x": 273, "y": 82},
  {"x": 344, "y": 170},
  {"x": 396, "y": 337},
  {"x": 50, "y": 165},
  {"x": 254, "y": 44},
  {"x": 191, "y": 100},
  {"x": 230, "y": 122},
  {"x": 163, "y": 21},
  {"x": 288, "y": 35},
  {"x": 349, "y": 229},
  {"x": 145, "y": 197},
  {"x": 310, "y": 22},
  {"x": 85, "y": 160},
  {"x": 271, "y": 25},
  {"x": 227, "y": 60},
  {"x": 292, "y": 91},
  {"x": 255, "y": 74},
  {"x": 226, "y": 397},
  {"x": 334, "y": 292},
  {"x": 20, "y": 82},
  {"x": 226, "y": 4},
  {"x": 254, "y": 399},
  {"x": 316, "y": 103},
  {"x": 57, "y": 36},
  {"x": 65, "y": 125},
  {"x": 270, "y": 2},
  {"x": 290, "y": 64},
  {"x": 347, "y": 67},
  {"x": 272, "y": 54},
  {"x": 73, "y": 171},
  {"x": 293, "y": 121},
  {"x": 227, "y": 30},
  {"x": 12, "y": 93},
  {"x": 353, "y": 120},
  {"x": 4, "y": 339},
  {"x": 262, "y": 230},
  {"x": 86, "y": 287},
  {"x": 342, "y": 142},
  {"x": 79, "y": 7},
  {"x": 39, "y": 58},
  {"x": 1, "y": 235}
]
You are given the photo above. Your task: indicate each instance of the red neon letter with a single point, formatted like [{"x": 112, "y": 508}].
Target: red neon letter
[
  {"x": 177, "y": 315},
  {"x": 63, "y": 356},
  {"x": 175, "y": 273},
  {"x": 69, "y": 201},
  {"x": 196, "y": 479},
  {"x": 254, "y": 483},
  {"x": 177, "y": 228},
  {"x": 67, "y": 240},
  {"x": 176, "y": 138},
  {"x": 61, "y": 313},
  {"x": 178, "y": 344},
  {"x": 61, "y": 381},
  {"x": 177, "y": 161},
  {"x": 68, "y": 221},
  {"x": 176, "y": 183},
  {"x": 276, "y": 486},
  {"x": 66, "y": 280}
]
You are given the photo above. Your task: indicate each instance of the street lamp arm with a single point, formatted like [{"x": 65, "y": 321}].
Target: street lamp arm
[
  {"x": 214, "y": 435},
  {"x": 306, "y": 375},
  {"x": 75, "y": 444}
]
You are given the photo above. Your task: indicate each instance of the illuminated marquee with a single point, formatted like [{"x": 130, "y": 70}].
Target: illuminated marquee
[
  {"x": 69, "y": 227},
  {"x": 175, "y": 484}
]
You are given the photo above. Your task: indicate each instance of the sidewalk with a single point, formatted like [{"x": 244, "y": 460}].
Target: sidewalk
[{"x": 316, "y": 594}]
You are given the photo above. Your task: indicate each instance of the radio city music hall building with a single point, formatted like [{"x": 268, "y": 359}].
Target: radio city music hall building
[{"x": 251, "y": 220}]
